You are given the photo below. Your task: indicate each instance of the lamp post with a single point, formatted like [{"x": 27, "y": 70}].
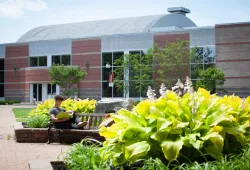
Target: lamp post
[
  {"x": 15, "y": 68},
  {"x": 87, "y": 65}
]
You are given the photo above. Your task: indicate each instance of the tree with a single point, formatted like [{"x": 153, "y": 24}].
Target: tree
[
  {"x": 209, "y": 78},
  {"x": 159, "y": 65},
  {"x": 171, "y": 62},
  {"x": 66, "y": 76},
  {"x": 135, "y": 73}
]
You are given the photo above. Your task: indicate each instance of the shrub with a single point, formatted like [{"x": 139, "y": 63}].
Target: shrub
[
  {"x": 81, "y": 156},
  {"x": 3, "y": 102},
  {"x": 15, "y": 101},
  {"x": 178, "y": 128},
  {"x": 38, "y": 121},
  {"x": 80, "y": 106}
]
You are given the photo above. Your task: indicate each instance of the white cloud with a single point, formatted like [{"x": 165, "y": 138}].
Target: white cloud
[{"x": 15, "y": 8}]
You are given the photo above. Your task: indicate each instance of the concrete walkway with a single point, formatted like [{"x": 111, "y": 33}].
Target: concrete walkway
[{"x": 15, "y": 156}]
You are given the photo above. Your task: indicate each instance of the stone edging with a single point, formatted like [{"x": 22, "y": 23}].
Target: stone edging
[{"x": 40, "y": 164}]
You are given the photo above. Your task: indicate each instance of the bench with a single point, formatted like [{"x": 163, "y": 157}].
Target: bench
[{"x": 76, "y": 135}]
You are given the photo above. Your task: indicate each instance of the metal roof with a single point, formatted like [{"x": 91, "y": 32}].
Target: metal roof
[{"x": 105, "y": 27}]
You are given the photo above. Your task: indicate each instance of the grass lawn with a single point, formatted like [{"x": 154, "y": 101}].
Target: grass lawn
[{"x": 21, "y": 113}]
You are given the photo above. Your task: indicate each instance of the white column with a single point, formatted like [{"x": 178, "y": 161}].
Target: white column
[
  {"x": 44, "y": 92},
  {"x": 126, "y": 77},
  {"x": 31, "y": 93},
  {"x": 57, "y": 90},
  {"x": 49, "y": 60}
]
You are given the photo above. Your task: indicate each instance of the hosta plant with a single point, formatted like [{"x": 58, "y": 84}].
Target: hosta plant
[
  {"x": 80, "y": 106},
  {"x": 178, "y": 128}
]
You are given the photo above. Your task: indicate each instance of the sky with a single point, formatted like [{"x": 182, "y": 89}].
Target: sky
[{"x": 19, "y": 16}]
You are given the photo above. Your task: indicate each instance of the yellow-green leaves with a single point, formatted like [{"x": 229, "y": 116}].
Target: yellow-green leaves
[
  {"x": 80, "y": 106},
  {"x": 196, "y": 121},
  {"x": 136, "y": 150},
  {"x": 171, "y": 149}
]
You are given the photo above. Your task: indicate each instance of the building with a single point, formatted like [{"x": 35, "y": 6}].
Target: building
[{"x": 93, "y": 44}]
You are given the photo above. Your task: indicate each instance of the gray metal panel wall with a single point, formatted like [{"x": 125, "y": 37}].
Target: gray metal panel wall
[
  {"x": 2, "y": 51},
  {"x": 127, "y": 42},
  {"x": 38, "y": 48},
  {"x": 202, "y": 36}
]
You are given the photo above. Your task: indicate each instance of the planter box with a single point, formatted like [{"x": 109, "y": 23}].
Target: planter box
[
  {"x": 30, "y": 135},
  {"x": 40, "y": 135}
]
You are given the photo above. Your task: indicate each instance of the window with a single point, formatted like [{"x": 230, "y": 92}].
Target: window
[
  {"x": 51, "y": 89},
  {"x": 141, "y": 77},
  {"x": 109, "y": 90},
  {"x": 61, "y": 59},
  {"x": 203, "y": 58},
  {"x": 38, "y": 61}
]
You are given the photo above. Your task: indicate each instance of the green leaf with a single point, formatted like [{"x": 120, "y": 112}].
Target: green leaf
[
  {"x": 136, "y": 150},
  {"x": 163, "y": 124},
  {"x": 171, "y": 149},
  {"x": 215, "y": 149},
  {"x": 191, "y": 140},
  {"x": 136, "y": 133},
  {"x": 155, "y": 113}
]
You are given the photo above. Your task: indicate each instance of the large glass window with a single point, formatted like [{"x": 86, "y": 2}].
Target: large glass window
[
  {"x": 108, "y": 67},
  {"x": 38, "y": 61},
  {"x": 133, "y": 80},
  {"x": 203, "y": 58},
  {"x": 61, "y": 59},
  {"x": 140, "y": 74}
]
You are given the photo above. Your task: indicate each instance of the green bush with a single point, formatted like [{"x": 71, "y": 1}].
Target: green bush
[
  {"x": 197, "y": 126},
  {"x": 4, "y": 102},
  {"x": 81, "y": 157},
  {"x": 38, "y": 121},
  {"x": 15, "y": 101}
]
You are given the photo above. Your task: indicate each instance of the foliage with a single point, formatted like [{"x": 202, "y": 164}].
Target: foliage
[
  {"x": 178, "y": 128},
  {"x": 80, "y": 106},
  {"x": 77, "y": 159},
  {"x": 138, "y": 67},
  {"x": 171, "y": 61},
  {"x": 43, "y": 108},
  {"x": 38, "y": 121},
  {"x": 209, "y": 78},
  {"x": 82, "y": 156},
  {"x": 4, "y": 102},
  {"x": 66, "y": 76}
]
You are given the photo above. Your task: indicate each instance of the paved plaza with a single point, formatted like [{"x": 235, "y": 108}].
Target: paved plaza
[{"x": 15, "y": 156}]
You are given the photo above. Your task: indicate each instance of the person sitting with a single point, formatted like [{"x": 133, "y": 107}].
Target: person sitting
[{"x": 66, "y": 123}]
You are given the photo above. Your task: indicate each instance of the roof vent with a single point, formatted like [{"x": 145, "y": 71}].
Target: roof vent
[{"x": 178, "y": 10}]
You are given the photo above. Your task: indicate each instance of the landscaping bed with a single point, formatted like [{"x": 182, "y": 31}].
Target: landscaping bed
[
  {"x": 40, "y": 135},
  {"x": 30, "y": 135}
]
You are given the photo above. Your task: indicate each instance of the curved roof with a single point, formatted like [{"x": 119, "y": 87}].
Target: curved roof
[{"x": 106, "y": 27}]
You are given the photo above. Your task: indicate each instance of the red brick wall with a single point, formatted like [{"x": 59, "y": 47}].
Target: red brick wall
[
  {"x": 161, "y": 39},
  {"x": 83, "y": 51},
  {"x": 15, "y": 85},
  {"x": 233, "y": 56}
]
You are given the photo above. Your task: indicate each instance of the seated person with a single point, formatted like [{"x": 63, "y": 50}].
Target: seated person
[{"x": 65, "y": 123}]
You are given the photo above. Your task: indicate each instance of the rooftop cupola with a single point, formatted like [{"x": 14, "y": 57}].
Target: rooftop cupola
[{"x": 178, "y": 10}]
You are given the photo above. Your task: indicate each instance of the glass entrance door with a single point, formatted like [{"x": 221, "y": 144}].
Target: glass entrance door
[{"x": 37, "y": 92}]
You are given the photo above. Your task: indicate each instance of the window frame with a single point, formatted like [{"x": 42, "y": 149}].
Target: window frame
[
  {"x": 61, "y": 56},
  {"x": 38, "y": 61}
]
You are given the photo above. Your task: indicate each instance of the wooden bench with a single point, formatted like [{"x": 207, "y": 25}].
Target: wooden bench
[{"x": 76, "y": 135}]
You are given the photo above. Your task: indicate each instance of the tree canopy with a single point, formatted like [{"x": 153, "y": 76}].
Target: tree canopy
[
  {"x": 209, "y": 78},
  {"x": 66, "y": 77}
]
